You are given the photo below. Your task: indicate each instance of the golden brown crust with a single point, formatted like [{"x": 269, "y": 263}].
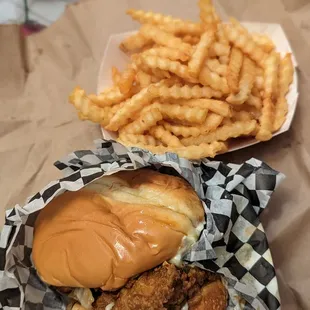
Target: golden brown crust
[
  {"x": 169, "y": 287},
  {"x": 213, "y": 296}
]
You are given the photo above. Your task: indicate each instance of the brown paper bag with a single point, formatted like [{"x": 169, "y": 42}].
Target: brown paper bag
[{"x": 38, "y": 126}]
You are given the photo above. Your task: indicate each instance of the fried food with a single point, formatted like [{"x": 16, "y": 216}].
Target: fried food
[
  {"x": 168, "y": 287},
  {"x": 164, "y": 136},
  {"x": 245, "y": 43},
  {"x": 144, "y": 79},
  {"x": 116, "y": 75},
  {"x": 163, "y": 38},
  {"x": 207, "y": 13},
  {"x": 126, "y": 79},
  {"x": 176, "y": 25},
  {"x": 216, "y": 66},
  {"x": 133, "y": 139},
  {"x": 234, "y": 68},
  {"x": 181, "y": 130},
  {"x": 87, "y": 109},
  {"x": 166, "y": 52},
  {"x": 155, "y": 62},
  {"x": 131, "y": 106},
  {"x": 271, "y": 76},
  {"x": 109, "y": 97},
  {"x": 212, "y": 79},
  {"x": 144, "y": 122},
  {"x": 195, "y": 115},
  {"x": 266, "y": 121},
  {"x": 211, "y": 123},
  {"x": 223, "y": 133},
  {"x": 212, "y": 296},
  {"x": 285, "y": 79},
  {"x": 201, "y": 52},
  {"x": 187, "y": 92},
  {"x": 193, "y": 40},
  {"x": 217, "y": 106},
  {"x": 263, "y": 41},
  {"x": 245, "y": 84},
  {"x": 189, "y": 152},
  {"x": 134, "y": 42},
  {"x": 219, "y": 49},
  {"x": 187, "y": 80}
]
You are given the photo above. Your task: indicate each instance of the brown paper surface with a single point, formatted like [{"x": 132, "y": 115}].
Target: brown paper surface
[{"x": 38, "y": 126}]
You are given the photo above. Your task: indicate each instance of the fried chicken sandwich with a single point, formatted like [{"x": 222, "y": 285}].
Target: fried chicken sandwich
[{"x": 115, "y": 235}]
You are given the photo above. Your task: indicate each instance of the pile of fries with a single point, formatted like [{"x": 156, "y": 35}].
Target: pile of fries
[{"x": 190, "y": 87}]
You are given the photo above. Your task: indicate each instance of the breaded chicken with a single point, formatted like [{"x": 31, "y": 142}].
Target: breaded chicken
[
  {"x": 212, "y": 296},
  {"x": 168, "y": 287},
  {"x": 151, "y": 291}
]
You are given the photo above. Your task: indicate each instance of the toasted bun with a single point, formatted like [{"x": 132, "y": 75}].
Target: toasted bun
[{"x": 115, "y": 228}]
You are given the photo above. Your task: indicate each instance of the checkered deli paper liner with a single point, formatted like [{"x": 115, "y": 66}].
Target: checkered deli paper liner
[{"x": 233, "y": 242}]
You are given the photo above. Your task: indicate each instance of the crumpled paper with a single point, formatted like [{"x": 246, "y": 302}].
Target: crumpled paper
[{"x": 232, "y": 243}]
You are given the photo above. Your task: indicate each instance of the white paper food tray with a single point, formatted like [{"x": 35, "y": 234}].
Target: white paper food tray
[{"x": 113, "y": 56}]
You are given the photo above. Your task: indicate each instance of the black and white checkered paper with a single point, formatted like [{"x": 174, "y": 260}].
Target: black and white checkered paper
[{"x": 233, "y": 242}]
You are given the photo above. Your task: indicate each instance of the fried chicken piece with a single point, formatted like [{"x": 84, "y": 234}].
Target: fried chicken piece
[
  {"x": 166, "y": 287},
  {"x": 192, "y": 279},
  {"x": 104, "y": 300},
  {"x": 212, "y": 296},
  {"x": 197, "y": 278},
  {"x": 151, "y": 291}
]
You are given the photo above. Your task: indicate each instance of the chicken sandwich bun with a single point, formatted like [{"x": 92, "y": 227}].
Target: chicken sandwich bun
[{"x": 116, "y": 228}]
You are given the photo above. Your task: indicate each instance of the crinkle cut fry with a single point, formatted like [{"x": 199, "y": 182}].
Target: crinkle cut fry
[
  {"x": 211, "y": 123},
  {"x": 216, "y": 106},
  {"x": 165, "y": 38},
  {"x": 254, "y": 101},
  {"x": 132, "y": 139},
  {"x": 126, "y": 79},
  {"x": 212, "y": 79},
  {"x": 165, "y": 64},
  {"x": 176, "y": 25},
  {"x": 87, "y": 109},
  {"x": 207, "y": 13},
  {"x": 263, "y": 41},
  {"x": 223, "y": 133},
  {"x": 266, "y": 121},
  {"x": 166, "y": 52},
  {"x": 180, "y": 130},
  {"x": 109, "y": 97},
  {"x": 134, "y": 42},
  {"x": 215, "y": 66},
  {"x": 234, "y": 68},
  {"x": 190, "y": 114},
  {"x": 144, "y": 122},
  {"x": 116, "y": 75},
  {"x": 245, "y": 43},
  {"x": 192, "y": 40},
  {"x": 189, "y": 152},
  {"x": 144, "y": 79},
  {"x": 245, "y": 84},
  {"x": 187, "y": 92},
  {"x": 201, "y": 52},
  {"x": 163, "y": 135},
  {"x": 131, "y": 106},
  {"x": 271, "y": 76},
  {"x": 286, "y": 73},
  {"x": 218, "y": 49}
]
